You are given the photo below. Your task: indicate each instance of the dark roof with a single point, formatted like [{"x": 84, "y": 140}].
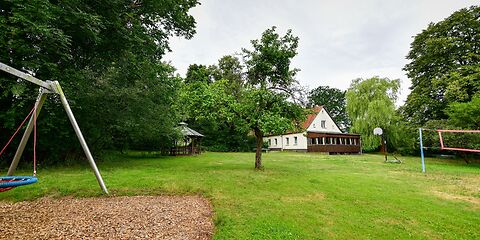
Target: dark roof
[{"x": 186, "y": 131}]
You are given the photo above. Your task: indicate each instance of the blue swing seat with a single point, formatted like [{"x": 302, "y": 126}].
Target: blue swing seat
[{"x": 15, "y": 181}]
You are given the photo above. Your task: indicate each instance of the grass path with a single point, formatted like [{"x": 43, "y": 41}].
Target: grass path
[{"x": 297, "y": 196}]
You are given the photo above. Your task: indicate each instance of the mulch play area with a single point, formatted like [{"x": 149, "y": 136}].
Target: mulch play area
[{"x": 137, "y": 217}]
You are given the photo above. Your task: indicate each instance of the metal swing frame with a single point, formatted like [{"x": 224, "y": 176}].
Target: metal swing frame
[{"x": 45, "y": 88}]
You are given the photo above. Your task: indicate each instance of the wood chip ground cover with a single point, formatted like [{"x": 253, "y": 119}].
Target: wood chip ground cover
[{"x": 138, "y": 217}]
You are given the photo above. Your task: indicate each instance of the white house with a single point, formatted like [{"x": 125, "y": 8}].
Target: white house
[{"x": 319, "y": 134}]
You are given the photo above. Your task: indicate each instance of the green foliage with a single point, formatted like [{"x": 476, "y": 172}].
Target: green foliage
[
  {"x": 465, "y": 115},
  {"x": 208, "y": 109},
  {"x": 371, "y": 104},
  {"x": 199, "y": 73},
  {"x": 231, "y": 69},
  {"x": 333, "y": 100},
  {"x": 107, "y": 57},
  {"x": 455, "y": 140},
  {"x": 205, "y": 102},
  {"x": 257, "y": 99},
  {"x": 460, "y": 116},
  {"x": 268, "y": 64},
  {"x": 266, "y": 108},
  {"x": 445, "y": 65}
]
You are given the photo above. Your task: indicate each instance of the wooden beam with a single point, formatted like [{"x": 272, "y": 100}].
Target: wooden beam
[{"x": 23, "y": 75}]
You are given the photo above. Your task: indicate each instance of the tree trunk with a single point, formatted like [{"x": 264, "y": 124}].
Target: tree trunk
[{"x": 258, "y": 153}]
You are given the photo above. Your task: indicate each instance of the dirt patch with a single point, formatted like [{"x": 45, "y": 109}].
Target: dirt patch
[
  {"x": 448, "y": 196},
  {"x": 305, "y": 198},
  {"x": 139, "y": 217}
]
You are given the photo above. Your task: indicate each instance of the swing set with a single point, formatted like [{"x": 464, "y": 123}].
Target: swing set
[
  {"x": 444, "y": 146},
  {"x": 10, "y": 181}
]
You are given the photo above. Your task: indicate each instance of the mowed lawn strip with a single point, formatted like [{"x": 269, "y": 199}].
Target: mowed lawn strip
[{"x": 297, "y": 196}]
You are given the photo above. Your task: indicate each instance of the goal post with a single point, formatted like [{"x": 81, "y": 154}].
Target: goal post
[{"x": 444, "y": 146}]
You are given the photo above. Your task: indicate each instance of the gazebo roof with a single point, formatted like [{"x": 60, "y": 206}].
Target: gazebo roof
[{"x": 186, "y": 131}]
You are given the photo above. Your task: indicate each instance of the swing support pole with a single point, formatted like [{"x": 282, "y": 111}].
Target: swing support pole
[
  {"x": 49, "y": 87},
  {"x": 75, "y": 126}
]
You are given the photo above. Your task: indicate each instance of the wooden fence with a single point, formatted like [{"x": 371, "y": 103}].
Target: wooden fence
[{"x": 187, "y": 150}]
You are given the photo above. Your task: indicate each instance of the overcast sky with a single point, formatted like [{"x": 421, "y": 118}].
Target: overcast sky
[{"x": 340, "y": 40}]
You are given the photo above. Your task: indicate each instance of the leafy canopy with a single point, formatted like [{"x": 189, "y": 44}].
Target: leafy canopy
[
  {"x": 107, "y": 56},
  {"x": 257, "y": 96},
  {"x": 333, "y": 100},
  {"x": 371, "y": 104},
  {"x": 465, "y": 115},
  {"x": 265, "y": 107},
  {"x": 444, "y": 65},
  {"x": 207, "y": 105}
]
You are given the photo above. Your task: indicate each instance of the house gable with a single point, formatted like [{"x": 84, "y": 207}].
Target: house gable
[{"x": 323, "y": 123}]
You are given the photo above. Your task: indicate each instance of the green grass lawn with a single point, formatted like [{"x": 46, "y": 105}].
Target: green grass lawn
[{"x": 297, "y": 196}]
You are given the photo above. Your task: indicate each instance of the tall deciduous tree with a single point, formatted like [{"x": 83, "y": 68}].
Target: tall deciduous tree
[
  {"x": 260, "y": 98},
  {"x": 230, "y": 68},
  {"x": 371, "y": 104},
  {"x": 204, "y": 105},
  {"x": 200, "y": 73},
  {"x": 265, "y": 107},
  {"x": 444, "y": 65},
  {"x": 107, "y": 56},
  {"x": 333, "y": 100}
]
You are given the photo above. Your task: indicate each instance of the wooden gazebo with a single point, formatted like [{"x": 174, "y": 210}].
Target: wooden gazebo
[{"x": 189, "y": 144}]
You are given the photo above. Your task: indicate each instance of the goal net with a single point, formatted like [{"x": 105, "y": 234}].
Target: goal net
[{"x": 459, "y": 140}]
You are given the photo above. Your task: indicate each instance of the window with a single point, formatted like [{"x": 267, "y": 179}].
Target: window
[
  {"x": 269, "y": 142},
  {"x": 276, "y": 142},
  {"x": 288, "y": 141},
  {"x": 314, "y": 125},
  {"x": 322, "y": 124},
  {"x": 314, "y": 141},
  {"x": 295, "y": 140}
]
